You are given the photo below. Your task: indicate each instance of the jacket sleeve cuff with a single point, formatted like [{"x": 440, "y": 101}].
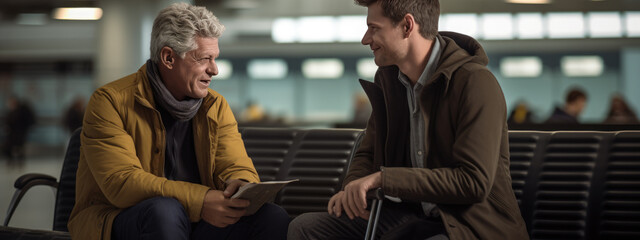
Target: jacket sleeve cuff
[
  {"x": 388, "y": 185},
  {"x": 242, "y": 175},
  {"x": 197, "y": 200}
]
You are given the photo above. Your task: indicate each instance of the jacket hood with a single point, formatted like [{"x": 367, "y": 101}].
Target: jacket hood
[{"x": 458, "y": 49}]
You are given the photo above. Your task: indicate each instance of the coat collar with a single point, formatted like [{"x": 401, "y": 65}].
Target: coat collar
[
  {"x": 456, "y": 50},
  {"x": 388, "y": 96}
]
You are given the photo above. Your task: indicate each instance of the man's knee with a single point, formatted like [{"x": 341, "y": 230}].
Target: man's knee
[
  {"x": 272, "y": 218},
  {"x": 272, "y": 212},
  {"x": 304, "y": 223},
  {"x": 156, "y": 218},
  {"x": 164, "y": 211}
]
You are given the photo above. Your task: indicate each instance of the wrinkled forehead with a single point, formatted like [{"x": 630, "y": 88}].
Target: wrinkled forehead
[{"x": 207, "y": 46}]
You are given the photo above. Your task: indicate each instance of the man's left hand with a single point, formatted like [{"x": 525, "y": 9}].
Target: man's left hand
[
  {"x": 232, "y": 187},
  {"x": 356, "y": 192}
]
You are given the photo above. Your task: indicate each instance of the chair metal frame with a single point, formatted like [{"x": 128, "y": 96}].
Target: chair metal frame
[
  {"x": 22, "y": 185},
  {"x": 29, "y": 180}
]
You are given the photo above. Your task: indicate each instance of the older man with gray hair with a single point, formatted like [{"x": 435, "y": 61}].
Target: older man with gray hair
[{"x": 161, "y": 153}]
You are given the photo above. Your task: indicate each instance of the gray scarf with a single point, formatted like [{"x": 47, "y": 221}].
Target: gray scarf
[{"x": 181, "y": 110}]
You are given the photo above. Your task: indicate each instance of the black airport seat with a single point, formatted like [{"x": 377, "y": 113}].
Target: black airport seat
[
  {"x": 65, "y": 196},
  {"x": 577, "y": 184},
  {"x": 268, "y": 148},
  {"x": 320, "y": 160},
  {"x": 563, "y": 185},
  {"x": 617, "y": 204},
  {"x": 318, "y": 157},
  {"x": 569, "y": 184}
]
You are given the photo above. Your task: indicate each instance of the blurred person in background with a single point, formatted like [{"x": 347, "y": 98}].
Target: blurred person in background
[
  {"x": 361, "y": 111},
  {"x": 574, "y": 105},
  {"x": 161, "y": 154},
  {"x": 19, "y": 120},
  {"x": 520, "y": 114},
  {"x": 437, "y": 138},
  {"x": 620, "y": 112},
  {"x": 74, "y": 114},
  {"x": 253, "y": 113}
]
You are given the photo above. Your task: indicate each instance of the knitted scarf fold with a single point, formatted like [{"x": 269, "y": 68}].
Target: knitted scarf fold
[{"x": 181, "y": 110}]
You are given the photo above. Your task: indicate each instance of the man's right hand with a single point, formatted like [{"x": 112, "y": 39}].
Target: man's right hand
[
  {"x": 340, "y": 202},
  {"x": 220, "y": 211}
]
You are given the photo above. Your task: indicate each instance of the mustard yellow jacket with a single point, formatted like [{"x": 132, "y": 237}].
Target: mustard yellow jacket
[{"x": 122, "y": 155}]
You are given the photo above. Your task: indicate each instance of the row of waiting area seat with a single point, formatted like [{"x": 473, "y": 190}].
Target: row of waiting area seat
[{"x": 569, "y": 184}]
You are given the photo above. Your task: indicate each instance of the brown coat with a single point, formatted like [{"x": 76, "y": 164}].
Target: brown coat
[
  {"x": 467, "y": 173},
  {"x": 122, "y": 155}
]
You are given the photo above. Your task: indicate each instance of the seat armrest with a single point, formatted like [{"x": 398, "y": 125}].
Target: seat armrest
[
  {"x": 43, "y": 179},
  {"x": 22, "y": 185},
  {"x": 23, "y": 233}
]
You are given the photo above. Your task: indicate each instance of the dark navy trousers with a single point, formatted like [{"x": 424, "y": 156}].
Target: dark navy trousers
[{"x": 165, "y": 218}]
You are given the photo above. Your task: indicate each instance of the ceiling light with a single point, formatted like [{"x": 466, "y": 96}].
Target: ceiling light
[
  {"x": 605, "y": 24},
  {"x": 316, "y": 29},
  {"x": 465, "y": 23},
  {"x": 566, "y": 25},
  {"x": 497, "y": 26},
  {"x": 529, "y": 25},
  {"x": 283, "y": 30},
  {"x": 77, "y": 13},
  {"x": 351, "y": 28},
  {"x": 632, "y": 21}
]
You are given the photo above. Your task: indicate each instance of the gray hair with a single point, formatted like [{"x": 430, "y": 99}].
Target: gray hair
[{"x": 178, "y": 25}]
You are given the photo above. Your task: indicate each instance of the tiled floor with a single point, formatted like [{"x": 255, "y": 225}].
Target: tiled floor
[{"x": 35, "y": 210}]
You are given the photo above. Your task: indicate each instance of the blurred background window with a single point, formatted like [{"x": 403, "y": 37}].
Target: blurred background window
[
  {"x": 296, "y": 63},
  {"x": 267, "y": 69},
  {"x": 322, "y": 68},
  {"x": 225, "y": 69}
]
